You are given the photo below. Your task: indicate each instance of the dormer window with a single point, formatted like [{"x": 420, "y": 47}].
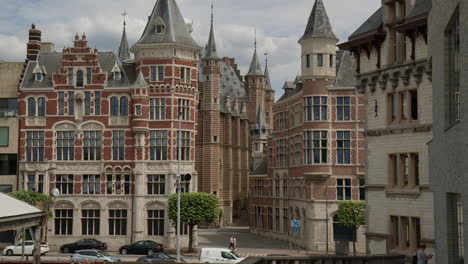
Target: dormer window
[
  {"x": 79, "y": 78},
  {"x": 159, "y": 29},
  {"x": 38, "y": 76},
  {"x": 39, "y": 73},
  {"x": 117, "y": 75},
  {"x": 116, "y": 72}
]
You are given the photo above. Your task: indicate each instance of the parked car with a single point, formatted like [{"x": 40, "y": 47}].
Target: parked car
[
  {"x": 158, "y": 257},
  {"x": 28, "y": 248},
  {"x": 93, "y": 255},
  {"x": 142, "y": 247},
  {"x": 83, "y": 244},
  {"x": 219, "y": 255}
]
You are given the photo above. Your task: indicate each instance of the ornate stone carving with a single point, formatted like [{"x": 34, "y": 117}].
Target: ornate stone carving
[
  {"x": 35, "y": 121},
  {"x": 65, "y": 126},
  {"x": 118, "y": 121},
  {"x": 92, "y": 126}
]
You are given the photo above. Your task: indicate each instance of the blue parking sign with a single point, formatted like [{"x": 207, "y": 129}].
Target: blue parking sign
[
  {"x": 295, "y": 223},
  {"x": 295, "y": 229}
]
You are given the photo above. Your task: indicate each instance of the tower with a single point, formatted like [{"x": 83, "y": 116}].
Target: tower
[
  {"x": 269, "y": 96},
  {"x": 259, "y": 133},
  {"x": 318, "y": 46},
  {"x": 124, "y": 54}
]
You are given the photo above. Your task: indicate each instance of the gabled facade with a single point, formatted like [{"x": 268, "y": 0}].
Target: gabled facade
[
  {"x": 103, "y": 129},
  {"x": 394, "y": 72},
  {"x": 316, "y": 149}
]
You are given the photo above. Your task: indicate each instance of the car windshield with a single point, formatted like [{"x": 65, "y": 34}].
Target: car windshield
[
  {"x": 235, "y": 254},
  {"x": 161, "y": 256}
]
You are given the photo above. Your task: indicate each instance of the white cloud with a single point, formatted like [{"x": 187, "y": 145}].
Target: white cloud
[{"x": 279, "y": 24}]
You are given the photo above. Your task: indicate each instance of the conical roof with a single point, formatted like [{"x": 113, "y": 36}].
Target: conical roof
[
  {"x": 124, "y": 54},
  {"x": 166, "y": 13},
  {"x": 255, "y": 68},
  {"x": 267, "y": 75},
  {"x": 211, "y": 46},
  {"x": 319, "y": 24},
  {"x": 261, "y": 121}
]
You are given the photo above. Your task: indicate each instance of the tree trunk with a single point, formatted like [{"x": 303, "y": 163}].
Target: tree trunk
[
  {"x": 190, "y": 247},
  {"x": 354, "y": 242}
]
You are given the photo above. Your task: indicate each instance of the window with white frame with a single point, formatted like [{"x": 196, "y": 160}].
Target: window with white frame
[
  {"x": 61, "y": 103},
  {"x": 97, "y": 103},
  {"x": 183, "y": 109},
  {"x": 91, "y": 184},
  {"x": 156, "y": 222},
  {"x": 79, "y": 78},
  {"x": 87, "y": 103},
  {"x": 92, "y": 145},
  {"x": 156, "y": 184},
  {"x": 65, "y": 145},
  {"x": 118, "y": 144},
  {"x": 158, "y": 145},
  {"x": 362, "y": 189},
  {"x": 89, "y": 75},
  {"x": 118, "y": 184},
  {"x": 343, "y": 189},
  {"x": 315, "y": 108},
  {"x": 316, "y": 147},
  {"x": 35, "y": 182},
  {"x": 119, "y": 106},
  {"x": 157, "y": 73},
  {"x": 343, "y": 106},
  {"x": 90, "y": 220},
  {"x": 320, "y": 60},
  {"x": 64, "y": 183},
  {"x": 63, "y": 222},
  {"x": 35, "y": 145},
  {"x": 185, "y": 75},
  {"x": 71, "y": 103},
  {"x": 36, "y": 106},
  {"x": 343, "y": 147},
  {"x": 157, "y": 108},
  {"x": 70, "y": 76},
  {"x": 183, "y": 140},
  {"x": 117, "y": 222}
]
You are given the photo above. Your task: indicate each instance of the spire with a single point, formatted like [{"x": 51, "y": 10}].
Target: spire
[
  {"x": 124, "y": 54},
  {"x": 211, "y": 46},
  {"x": 267, "y": 74},
  {"x": 261, "y": 126},
  {"x": 255, "y": 68},
  {"x": 319, "y": 24},
  {"x": 166, "y": 25}
]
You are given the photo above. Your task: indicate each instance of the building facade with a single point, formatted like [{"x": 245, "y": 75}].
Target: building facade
[
  {"x": 394, "y": 72},
  {"x": 316, "y": 149},
  {"x": 104, "y": 130},
  {"x": 447, "y": 26}
]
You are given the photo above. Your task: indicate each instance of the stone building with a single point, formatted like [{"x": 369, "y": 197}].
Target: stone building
[
  {"x": 448, "y": 23},
  {"x": 394, "y": 73},
  {"x": 316, "y": 149},
  {"x": 103, "y": 129}
]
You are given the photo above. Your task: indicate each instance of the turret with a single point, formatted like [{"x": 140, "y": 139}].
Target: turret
[
  {"x": 318, "y": 45},
  {"x": 124, "y": 54}
]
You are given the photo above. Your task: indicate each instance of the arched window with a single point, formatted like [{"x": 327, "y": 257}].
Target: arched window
[
  {"x": 123, "y": 106},
  {"x": 41, "y": 106},
  {"x": 114, "y": 106},
  {"x": 79, "y": 78},
  {"x": 31, "y": 106}
]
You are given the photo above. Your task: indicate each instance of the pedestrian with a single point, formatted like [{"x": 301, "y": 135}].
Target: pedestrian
[
  {"x": 231, "y": 242},
  {"x": 421, "y": 255},
  {"x": 235, "y": 243}
]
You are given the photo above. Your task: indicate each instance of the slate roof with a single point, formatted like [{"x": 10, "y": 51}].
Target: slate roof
[
  {"x": 211, "y": 46},
  {"x": 371, "y": 24},
  {"x": 268, "y": 80},
  {"x": 175, "y": 31},
  {"x": 319, "y": 24},
  {"x": 255, "y": 68},
  {"x": 124, "y": 54},
  {"x": 52, "y": 61},
  {"x": 261, "y": 169},
  {"x": 346, "y": 67},
  {"x": 420, "y": 7}
]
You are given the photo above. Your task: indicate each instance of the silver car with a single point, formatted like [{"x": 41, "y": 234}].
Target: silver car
[{"x": 93, "y": 255}]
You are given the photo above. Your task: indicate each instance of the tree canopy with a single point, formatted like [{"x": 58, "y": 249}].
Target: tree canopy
[
  {"x": 194, "y": 208},
  {"x": 352, "y": 214}
]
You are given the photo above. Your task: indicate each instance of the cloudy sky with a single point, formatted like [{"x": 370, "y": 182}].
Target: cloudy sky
[{"x": 279, "y": 24}]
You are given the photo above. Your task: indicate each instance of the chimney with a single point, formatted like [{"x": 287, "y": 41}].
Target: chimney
[{"x": 34, "y": 43}]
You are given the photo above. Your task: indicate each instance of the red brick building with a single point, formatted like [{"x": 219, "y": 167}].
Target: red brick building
[
  {"x": 317, "y": 147},
  {"x": 103, "y": 129}
]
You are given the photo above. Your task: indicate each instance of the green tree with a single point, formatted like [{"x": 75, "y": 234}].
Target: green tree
[
  {"x": 195, "y": 208},
  {"x": 352, "y": 214}
]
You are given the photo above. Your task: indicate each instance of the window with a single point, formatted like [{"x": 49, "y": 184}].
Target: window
[
  {"x": 316, "y": 147},
  {"x": 65, "y": 145},
  {"x": 157, "y": 109},
  {"x": 119, "y": 106},
  {"x": 362, "y": 189},
  {"x": 404, "y": 170},
  {"x": 97, "y": 103},
  {"x": 6, "y": 188},
  {"x": 285, "y": 220},
  {"x": 277, "y": 219},
  {"x": 315, "y": 108},
  {"x": 123, "y": 106},
  {"x": 79, "y": 78},
  {"x": 38, "y": 76},
  {"x": 41, "y": 105},
  {"x": 156, "y": 184},
  {"x": 403, "y": 106},
  {"x": 87, "y": 103},
  {"x": 343, "y": 147},
  {"x": 156, "y": 222},
  {"x": 118, "y": 145},
  {"x": 117, "y": 222},
  {"x": 35, "y": 182},
  {"x": 70, "y": 76},
  {"x": 185, "y": 75},
  {"x": 63, "y": 221},
  {"x": 138, "y": 110},
  {"x": 35, "y": 145},
  {"x": 455, "y": 227},
  {"x": 71, "y": 103},
  {"x": 9, "y": 106},
  {"x": 8, "y": 164},
  {"x": 395, "y": 231},
  {"x": 270, "y": 218},
  {"x": 184, "y": 109},
  {"x": 89, "y": 75},
  {"x": 308, "y": 61},
  {"x": 61, "y": 103},
  {"x": 4, "y": 136},
  {"x": 157, "y": 73},
  {"x": 92, "y": 145},
  {"x": 183, "y": 140},
  {"x": 184, "y": 228},
  {"x": 452, "y": 64},
  {"x": 64, "y": 183},
  {"x": 415, "y": 232},
  {"x": 158, "y": 145},
  {"x": 320, "y": 60},
  {"x": 331, "y": 61},
  {"x": 31, "y": 106},
  {"x": 117, "y": 75},
  {"x": 91, "y": 184},
  {"x": 343, "y": 108},
  {"x": 159, "y": 29},
  {"x": 184, "y": 186},
  {"x": 118, "y": 184},
  {"x": 343, "y": 190},
  {"x": 90, "y": 222}
]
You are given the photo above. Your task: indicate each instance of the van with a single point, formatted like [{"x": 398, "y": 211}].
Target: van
[{"x": 219, "y": 255}]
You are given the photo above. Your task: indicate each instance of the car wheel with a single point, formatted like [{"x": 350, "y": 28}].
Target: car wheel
[
  {"x": 66, "y": 250},
  {"x": 123, "y": 251},
  {"x": 150, "y": 252},
  {"x": 9, "y": 252}
]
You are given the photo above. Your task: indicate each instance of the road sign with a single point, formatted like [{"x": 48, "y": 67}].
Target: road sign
[
  {"x": 295, "y": 229},
  {"x": 295, "y": 223}
]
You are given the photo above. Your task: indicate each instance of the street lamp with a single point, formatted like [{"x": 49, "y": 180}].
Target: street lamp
[{"x": 178, "y": 179}]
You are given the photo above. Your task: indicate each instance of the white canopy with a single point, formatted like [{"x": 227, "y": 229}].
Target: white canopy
[{"x": 17, "y": 214}]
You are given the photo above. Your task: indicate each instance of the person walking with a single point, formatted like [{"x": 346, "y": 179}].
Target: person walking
[
  {"x": 421, "y": 255},
  {"x": 231, "y": 243}
]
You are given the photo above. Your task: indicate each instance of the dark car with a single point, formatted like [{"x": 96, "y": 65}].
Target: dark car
[
  {"x": 142, "y": 247},
  {"x": 83, "y": 244},
  {"x": 158, "y": 257}
]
